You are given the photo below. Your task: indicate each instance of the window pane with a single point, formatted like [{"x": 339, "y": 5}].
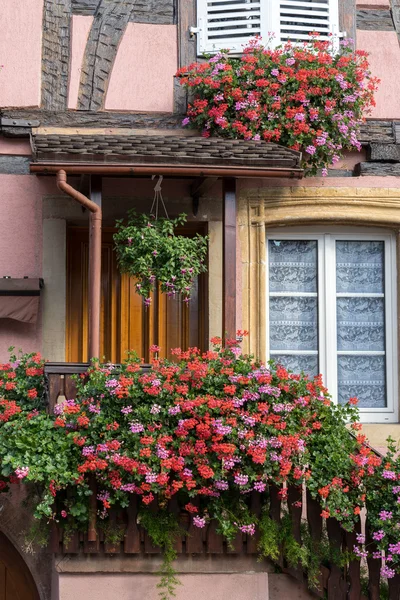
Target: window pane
[
  {"x": 293, "y": 323},
  {"x": 360, "y": 324},
  {"x": 363, "y": 377},
  {"x": 359, "y": 267},
  {"x": 297, "y": 364},
  {"x": 292, "y": 266}
]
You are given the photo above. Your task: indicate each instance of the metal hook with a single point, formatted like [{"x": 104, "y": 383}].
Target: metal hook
[
  {"x": 158, "y": 197},
  {"x": 157, "y": 187}
]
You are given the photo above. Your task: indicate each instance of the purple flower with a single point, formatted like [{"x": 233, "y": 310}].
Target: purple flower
[
  {"x": 126, "y": 410},
  {"x": 389, "y": 474},
  {"x": 387, "y": 572},
  {"x": 275, "y": 72},
  {"x": 241, "y": 479},
  {"x": 290, "y": 61},
  {"x": 162, "y": 452},
  {"x": 155, "y": 409},
  {"x": 199, "y": 522},
  {"x": 221, "y": 485},
  {"x": 378, "y": 535},
  {"x": 249, "y": 529},
  {"x": 112, "y": 383},
  {"x": 260, "y": 486},
  {"x": 385, "y": 515},
  {"x": 87, "y": 450},
  {"x": 360, "y": 553},
  {"x": 174, "y": 410},
  {"x": 136, "y": 427},
  {"x": 310, "y": 150},
  {"x": 185, "y": 121}
]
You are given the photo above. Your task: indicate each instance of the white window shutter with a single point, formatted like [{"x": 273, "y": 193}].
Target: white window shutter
[
  {"x": 297, "y": 18},
  {"x": 229, "y": 24}
]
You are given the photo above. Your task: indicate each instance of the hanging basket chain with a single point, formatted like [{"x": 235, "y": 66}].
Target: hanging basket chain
[{"x": 158, "y": 198}]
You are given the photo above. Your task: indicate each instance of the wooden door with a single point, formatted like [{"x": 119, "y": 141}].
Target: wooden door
[
  {"x": 16, "y": 581},
  {"x": 125, "y": 323}
]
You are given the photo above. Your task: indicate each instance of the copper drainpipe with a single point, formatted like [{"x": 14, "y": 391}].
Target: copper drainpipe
[{"x": 95, "y": 219}]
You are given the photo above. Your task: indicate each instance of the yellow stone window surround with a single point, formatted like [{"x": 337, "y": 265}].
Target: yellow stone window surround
[{"x": 263, "y": 209}]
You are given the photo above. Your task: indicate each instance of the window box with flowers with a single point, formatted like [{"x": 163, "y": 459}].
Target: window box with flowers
[{"x": 306, "y": 96}]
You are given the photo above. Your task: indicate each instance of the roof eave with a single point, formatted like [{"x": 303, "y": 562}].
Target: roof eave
[{"x": 167, "y": 169}]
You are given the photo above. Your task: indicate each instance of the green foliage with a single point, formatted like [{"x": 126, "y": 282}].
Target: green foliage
[
  {"x": 163, "y": 529},
  {"x": 149, "y": 250}
]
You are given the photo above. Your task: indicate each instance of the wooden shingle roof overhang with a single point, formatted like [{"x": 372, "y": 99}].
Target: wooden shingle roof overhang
[{"x": 163, "y": 154}]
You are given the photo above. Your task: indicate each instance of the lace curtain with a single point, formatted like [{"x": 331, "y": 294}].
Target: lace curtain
[{"x": 360, "y": 317}]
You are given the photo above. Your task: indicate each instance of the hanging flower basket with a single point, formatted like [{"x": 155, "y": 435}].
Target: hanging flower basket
[
  {"x": 307, "y": 97},
  {"x": 149, "y": 250}
]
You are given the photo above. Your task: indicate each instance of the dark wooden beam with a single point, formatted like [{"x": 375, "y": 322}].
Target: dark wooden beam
[
  {"x": 186, "y": 42},
  {"x": 108, "y": 27},
  {"x": 347, "y": 17},
  {"x": 375, "y": 20},
  {"x": 229, "y": 258},
  {"x": 56, "y": 54},
  {"x": 380, "y": 169},
  {"x": 76, "y": 118},
  {"x": 199, "y": 188}
]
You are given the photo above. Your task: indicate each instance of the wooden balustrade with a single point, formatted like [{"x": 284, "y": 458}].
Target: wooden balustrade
[{"x": 334, "y": 581}]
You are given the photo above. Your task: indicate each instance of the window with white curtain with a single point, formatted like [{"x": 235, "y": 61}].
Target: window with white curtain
[
  {"x": 229, "y": 24},
  {"x": 331, "y": 305}
]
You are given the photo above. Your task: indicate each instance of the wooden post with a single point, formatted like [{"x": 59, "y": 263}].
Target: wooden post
[
  {"x": 229, "y": 258},
  {"x": 95, "y": 268}
]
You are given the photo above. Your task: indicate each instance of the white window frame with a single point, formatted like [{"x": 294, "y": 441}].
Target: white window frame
[{"x": 326, "y": 238}]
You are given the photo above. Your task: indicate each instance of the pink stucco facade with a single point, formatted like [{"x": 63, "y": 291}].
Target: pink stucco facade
[
  {"x": 142, "y": 77},
  {"x": 15, "y": 147},
  {"x": 237, "y": 586},
  {"x": 21, "y": 249},
  {"x": 20, "y": 52},
  {"x": 384, "y": 57},
  {"x": 80, "y": 29},
  {"x": 373, "y": 3}
]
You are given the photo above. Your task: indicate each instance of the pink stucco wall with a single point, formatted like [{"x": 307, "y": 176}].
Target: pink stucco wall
[
  {"x": 373, "y": 3},
  {"x": 329, "y": 182},
  {"x": 21, "y": 249},
  {"x": 384, "y": 59},
  {"x": 20, "y": 52},
  {"x": 15, "y": 147},
  {"x": 80, "y": 28},
  {"x": 235, "y": 586},
  {"x": 142, "y": 77}
]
